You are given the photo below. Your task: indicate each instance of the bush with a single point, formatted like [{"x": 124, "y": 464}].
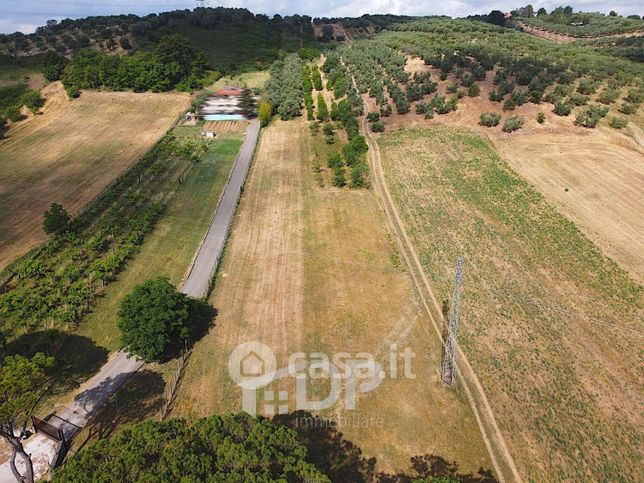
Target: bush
[
  {"x": 421, "y": 108},
  {"x": 32, "y": 100},
  {"x": 338, "y": 180},
  {"x": 618, "y": 122},
  {"x": 608, "y": 96},
  {"x": 490, "y": 119},
  {"x": 13, "y": 113},
  {"x": 373, "y": 116},
  {"x": 628, "y": 108},
  {"x": 328, "y": 129},
  {"x": 562, "y": 108},
  {"x": 591, "y": 116},
  {"x": 541, "y": 118},
  {"x": 474, "y": 90},
  {"x": 72, "y": 91},
  {"x": 335, "y": 161},
  {"x": 513, "y": 123},
  {"x": 265, "y": 112},
  {"x": 153, "y": 317},
  {"x": 378, "y": 126}
]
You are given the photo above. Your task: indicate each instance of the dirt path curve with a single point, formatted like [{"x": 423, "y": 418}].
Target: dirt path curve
[
  {"x": 205, "y": 264},
  {"x": 501, "y": 458}
]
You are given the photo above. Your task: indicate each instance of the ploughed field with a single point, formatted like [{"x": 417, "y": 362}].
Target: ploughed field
[{"x": 71, "y": 153}]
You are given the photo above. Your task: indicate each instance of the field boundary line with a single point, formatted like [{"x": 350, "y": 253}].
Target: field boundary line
[{"x": 502, "y": 460}]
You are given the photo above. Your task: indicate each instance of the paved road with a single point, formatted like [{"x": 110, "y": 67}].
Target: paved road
[
  {"x": 72, "y": 417},
  {"x": 205, "y": 264},
  {"x": 98, "y": 389}
]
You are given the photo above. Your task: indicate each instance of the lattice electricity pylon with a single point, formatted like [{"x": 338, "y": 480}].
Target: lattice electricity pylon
[{"x": 448, "y": 368}]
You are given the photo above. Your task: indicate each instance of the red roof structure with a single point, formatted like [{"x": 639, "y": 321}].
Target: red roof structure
[{"x": 229, "y": 91}]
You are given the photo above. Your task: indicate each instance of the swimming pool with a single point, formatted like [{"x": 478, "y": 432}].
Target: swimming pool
[{"x": 223, "y": 117}]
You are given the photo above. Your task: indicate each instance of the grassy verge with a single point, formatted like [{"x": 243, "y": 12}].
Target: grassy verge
[
  {"x": 171, "y": 247},
  {"x": 550, "y": 325}
]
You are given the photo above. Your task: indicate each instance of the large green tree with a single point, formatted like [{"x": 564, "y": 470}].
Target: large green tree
[
  {"x": 22, "y": 384},
  {"x": 153, "y": 317},
  {"x": 230, "y": 448}
]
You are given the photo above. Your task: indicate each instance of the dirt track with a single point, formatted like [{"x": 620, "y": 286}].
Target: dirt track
[{"x": 502, "y": 460}]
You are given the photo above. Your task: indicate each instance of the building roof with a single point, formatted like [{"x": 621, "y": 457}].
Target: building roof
[{"x": 229, "y": 91}]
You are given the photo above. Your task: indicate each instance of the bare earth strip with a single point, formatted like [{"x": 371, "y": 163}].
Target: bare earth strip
[{"x": 71, "y": 153}]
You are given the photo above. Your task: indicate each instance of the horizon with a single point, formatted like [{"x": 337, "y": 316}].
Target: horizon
[{"x": 25, "y": 17}]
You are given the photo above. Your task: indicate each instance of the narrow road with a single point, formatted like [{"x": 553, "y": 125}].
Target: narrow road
[
  {"x": 502, "y": 460},
  {"x": 95, "y": 392},
  {"x": 205, "y": 264}
]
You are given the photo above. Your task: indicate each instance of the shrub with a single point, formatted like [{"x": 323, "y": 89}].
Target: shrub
[
  {"x": 513, "y": 123},
  {"x": 562, "y": 108},
  {"x": 618, "y": 122},
  {"x": 452, "y": 88},
  {"x": 72, "y": 91},
  {"x": 358, "y": 176},
  {"x": 13, "y": 113},
  {"x": 328, "y": 129},
  {"x": 378, "y": 126},
  {"x": 590, "y": 117},
  {"x": 541, "y": 118},
  {"x": 373, "y": 117},
  {"x": 339, "y": 180},
  {"x": 490, "y": 119},
  {"x": 587, "y": 86},
  {"x": 474, "y": 90},
  {"x": 608, "y": 96},
  {"x": 577, "y": 99},
  {"x": 421, "y": 108},
  {"x": 628, "y": 108},
  {"x": 32, "y": 100},
  {"x": 335, "y": 161}
]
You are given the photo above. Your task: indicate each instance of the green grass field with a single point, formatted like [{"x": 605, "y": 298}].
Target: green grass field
[{"x": 170, "y": 248}]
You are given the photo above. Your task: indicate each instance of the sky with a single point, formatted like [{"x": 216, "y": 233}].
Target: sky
[{"x": 26, "y": 15}]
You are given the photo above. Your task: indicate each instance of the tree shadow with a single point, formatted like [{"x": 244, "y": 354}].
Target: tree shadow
[
  {"x": 203, "y": 318},
  {"x": 338, "y": 458},
  {"x": 77, "y": 358},
  {"x": 343, "y": 461},
  {"x": 139, "y": 398}
]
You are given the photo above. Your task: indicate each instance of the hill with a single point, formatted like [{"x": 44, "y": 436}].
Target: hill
[{"x": 234, "y": 38}]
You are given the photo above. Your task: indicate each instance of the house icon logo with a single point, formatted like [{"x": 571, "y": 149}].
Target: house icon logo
[
  {"x": 252, "y": 365},
  {"x": 251, "y": 362}
]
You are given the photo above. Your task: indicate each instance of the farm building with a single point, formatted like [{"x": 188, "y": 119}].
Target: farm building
[{"x": 223, "y": 105}]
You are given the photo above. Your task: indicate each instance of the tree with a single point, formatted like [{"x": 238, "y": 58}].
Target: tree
[
  {"x": 153, "y": 317},
  {"x": 496, "y": 17},
  {"x": 218, "y": 448},
  {"x": 265, "y": 112},
  {"x": 542, "y": 11},
  {"x": 3, "y": 127},
  {"x": 613, "y": 13},
  {"x": 56, "y": 220},
  {"x": 323, "y": 111},
  {"x": 247, "y": 103},
  {"x": 22, "y": 384}
]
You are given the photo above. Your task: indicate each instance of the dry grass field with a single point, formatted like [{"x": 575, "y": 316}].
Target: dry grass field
[
  {"x": 312, "y": 268},
  {"x": 593, "y": 176},
  {"x": 551, "y": 326},
  {"x": 71, "y": 153}
]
